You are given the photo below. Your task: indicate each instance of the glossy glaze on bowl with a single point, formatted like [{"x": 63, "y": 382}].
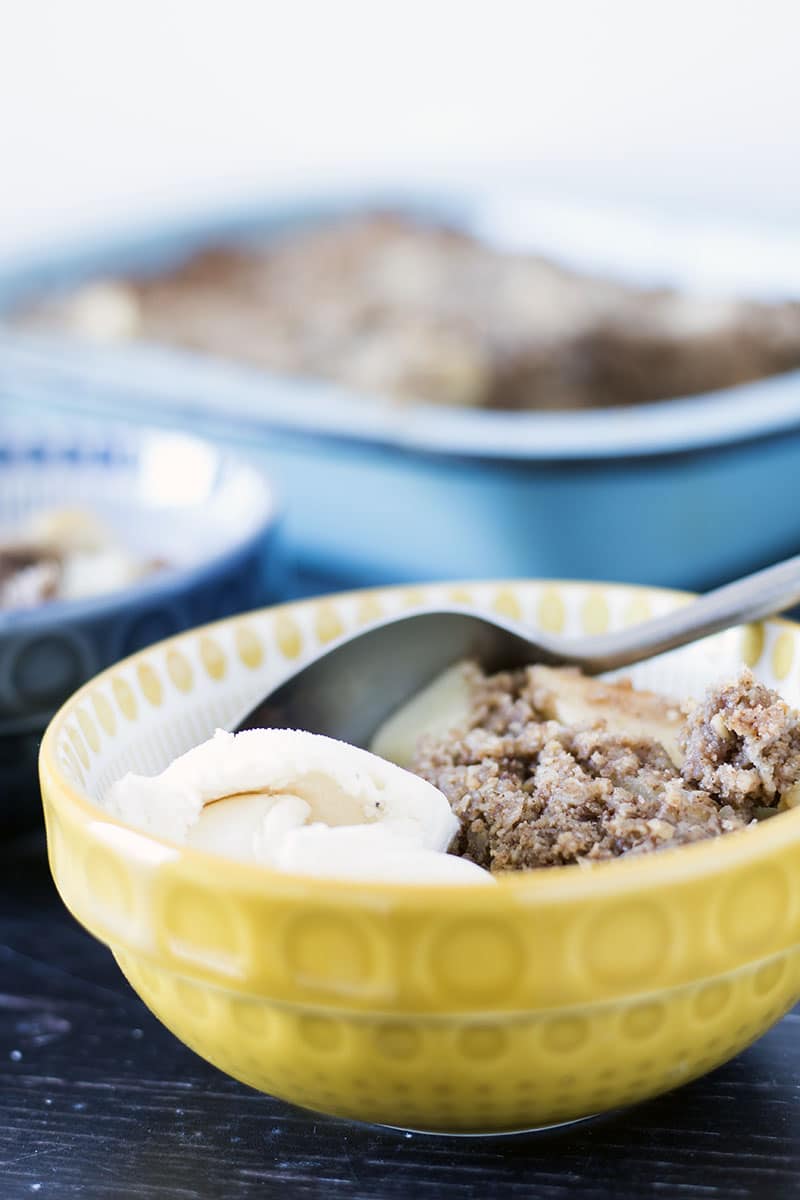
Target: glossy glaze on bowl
[{"x": 554, "y": 995}]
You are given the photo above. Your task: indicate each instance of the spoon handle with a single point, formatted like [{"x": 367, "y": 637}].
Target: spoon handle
[{"x": 759, "y": 595}]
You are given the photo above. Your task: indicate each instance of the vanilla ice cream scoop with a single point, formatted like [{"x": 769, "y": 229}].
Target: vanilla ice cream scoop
[{"x": 299, "y": 802}]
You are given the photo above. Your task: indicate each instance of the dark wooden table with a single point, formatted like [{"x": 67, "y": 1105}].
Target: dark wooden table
[{"x": 98, "y": 1101}]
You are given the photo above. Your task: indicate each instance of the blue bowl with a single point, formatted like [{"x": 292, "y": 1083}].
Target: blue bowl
[
  {"x": 686, "y": 492},
  {"x": 208, "y": 514}
]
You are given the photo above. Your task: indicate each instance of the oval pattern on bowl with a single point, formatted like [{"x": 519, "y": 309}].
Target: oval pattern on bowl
[{"x": 691, "y": 951}]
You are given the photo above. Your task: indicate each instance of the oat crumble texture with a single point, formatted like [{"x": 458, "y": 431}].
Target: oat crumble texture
[
  {"x": 531, "y": 790},
  {"x": 398, "y": 307}
]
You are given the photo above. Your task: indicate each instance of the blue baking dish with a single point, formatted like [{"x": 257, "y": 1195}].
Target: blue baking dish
[{"x": 686, "y": 492}]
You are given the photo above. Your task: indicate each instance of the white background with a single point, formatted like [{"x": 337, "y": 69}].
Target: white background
[{"x": 116, "y": 111}]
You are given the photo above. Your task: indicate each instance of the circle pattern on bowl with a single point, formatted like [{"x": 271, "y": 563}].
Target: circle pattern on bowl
[
  {"x": 46, "y": 669},
  {"x": 323, "y": 950},
  {"x": 477, "y": 960},
  {"x": 151, "y": 626},
  {"x": 483, "y": 962},
  {"x": 627, "y": 945},
  {"x": 459, "y": 1074},
  {"x": 418, "y": 1008}
]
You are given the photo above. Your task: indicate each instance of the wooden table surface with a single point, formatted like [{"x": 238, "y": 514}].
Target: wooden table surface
[{"x": 99, "y": 1101}]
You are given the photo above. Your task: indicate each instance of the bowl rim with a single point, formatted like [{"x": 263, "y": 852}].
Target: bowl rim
[
  {"x": 171, "y": 581},
  {"x": 623, "y": 876},
  {"x": 729, "y": 416}
]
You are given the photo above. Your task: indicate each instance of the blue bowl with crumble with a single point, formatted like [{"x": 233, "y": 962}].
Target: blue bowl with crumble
[{"x": 112, "y": 537}]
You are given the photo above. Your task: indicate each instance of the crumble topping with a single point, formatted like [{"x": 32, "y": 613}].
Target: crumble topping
[
  {"x": 400, "y": 307},
  {"x": 66, "y": 554},
  {"x": 742, "y": 743},
  {"x": 531, "y": 790}
]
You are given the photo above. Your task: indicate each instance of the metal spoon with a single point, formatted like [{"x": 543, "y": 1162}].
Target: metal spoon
[{"x": 349, "y": 689}]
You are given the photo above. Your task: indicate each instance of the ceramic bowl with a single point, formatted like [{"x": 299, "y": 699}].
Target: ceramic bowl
[
  {"x": 554, "y": 995},
  {"x": 208, "y": 514}
]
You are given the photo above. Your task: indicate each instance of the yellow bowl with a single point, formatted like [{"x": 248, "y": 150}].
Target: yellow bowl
[{"x": 552, "y": 996}]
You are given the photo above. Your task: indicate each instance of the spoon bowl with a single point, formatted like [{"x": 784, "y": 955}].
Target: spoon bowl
[{"x": 349, "y": 690}]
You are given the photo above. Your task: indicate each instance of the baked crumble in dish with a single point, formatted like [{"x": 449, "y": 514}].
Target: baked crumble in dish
[
  {"x": 545, "y": 767},
  {"x": 409, "y": 310},
  {"x": 66, "y": 554}
]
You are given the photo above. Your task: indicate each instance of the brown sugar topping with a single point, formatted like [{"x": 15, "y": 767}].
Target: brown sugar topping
[
  {"x": 533, "y": 791},
  {"x": 404, "y": 308},
  {"x": 742, "y": 743}
]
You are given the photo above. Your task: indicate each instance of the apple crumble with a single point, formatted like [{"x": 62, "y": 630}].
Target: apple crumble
[
  {"x": 411, "y": 310},
  {"x": 66, "y": 554},
  {"x": 548, "y": 767}
]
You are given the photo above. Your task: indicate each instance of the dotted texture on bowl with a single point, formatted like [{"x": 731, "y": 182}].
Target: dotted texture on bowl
[
  {"x": 480, "y": 952},
  {"x": 459, "y": 1073}
]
